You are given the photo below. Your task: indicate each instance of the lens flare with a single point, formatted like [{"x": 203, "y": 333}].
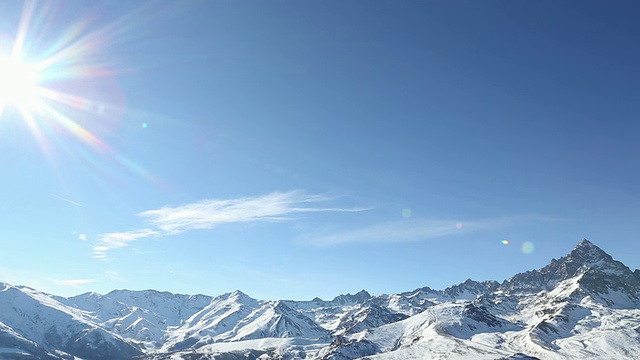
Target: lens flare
[
  {"x": 527, "y": 247},
  {"x": 60, "y": 83},
  {"x": 506, "y": 242}
]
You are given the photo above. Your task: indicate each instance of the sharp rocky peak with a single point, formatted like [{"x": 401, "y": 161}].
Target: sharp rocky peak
[
  {"x": 357, "y": 298},
  {"x": 586, "y": 260},
  {"x": 470, "y": 289},
  {"x": 279, "y": 304},
  {"x": 238, "y": 296},
  {"x": 587, "y": 253},
  {"x": 584, "y": 256}
]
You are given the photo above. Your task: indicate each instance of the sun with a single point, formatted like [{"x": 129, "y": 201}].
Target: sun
[
  {"x": 18, "y": 84},
  {"x": 58, "y": 82}
]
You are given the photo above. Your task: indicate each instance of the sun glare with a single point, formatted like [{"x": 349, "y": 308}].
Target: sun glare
[
  {"x": 63, "y": 88},
  {"x": 36, "y": 84},
  {"x": 18, "y": 84}
]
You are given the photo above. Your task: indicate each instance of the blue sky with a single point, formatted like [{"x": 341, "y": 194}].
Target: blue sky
[{"x": 302, "y": 149}]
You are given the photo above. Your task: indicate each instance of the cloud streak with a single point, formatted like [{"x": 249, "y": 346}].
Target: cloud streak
[
  {"x": 116, "y": 240},
  {"x": 417, "y": 230},
  {"x": 208, "y": 214},
  {"x": 74, "y": 282}
]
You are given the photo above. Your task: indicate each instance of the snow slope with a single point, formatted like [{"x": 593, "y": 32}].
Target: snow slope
[
  {"x": 40, "y": 319},
  {"x": 143, "y": 316}
]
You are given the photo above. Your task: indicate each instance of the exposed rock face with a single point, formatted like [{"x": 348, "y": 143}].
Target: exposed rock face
[{"x": 600, "y": 273}]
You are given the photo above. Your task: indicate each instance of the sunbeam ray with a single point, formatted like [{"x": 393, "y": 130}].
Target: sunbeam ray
[{"x": 67, "y": 89}]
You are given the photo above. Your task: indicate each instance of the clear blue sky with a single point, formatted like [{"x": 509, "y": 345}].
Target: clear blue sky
[{"x": 301, "y": 149}]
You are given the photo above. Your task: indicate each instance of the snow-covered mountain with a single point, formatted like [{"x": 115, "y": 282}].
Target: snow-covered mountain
[
  {"x": 236, "y": 317},
  {"x": 584, "y": 305},
  {"x": 39, "y": 326},
  {"x": 143, "y": 316}
]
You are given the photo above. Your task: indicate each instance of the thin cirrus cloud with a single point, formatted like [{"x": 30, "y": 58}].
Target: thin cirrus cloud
[
  {"x": 417, "y": 230},
  {"x": 116, "y": 240},
  {"x": 208, "y": 214},
  {"x": 74, "y": 282}
]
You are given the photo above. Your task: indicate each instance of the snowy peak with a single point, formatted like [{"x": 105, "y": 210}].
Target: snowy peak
[
  {"x": 41, "y": 319},
  {"x": 139, "y": 315},
  {"x": 586, "y": 253},
  {"x": 279, "y": 320},
  {"x": 600, "y": 273},
  {"x": 367, "y": 317},
  {"x": 217, "y": 321},
  {"x": 584, "y": 258},
  {"x": 593, "y": 271},
  {"x": 416, "y": 301},
  {"x": 231, "y": 317},
  {"x": 348, "y": 299},
  {"x": 470, "y": 289},
  {"x": 236, "y": 296}
]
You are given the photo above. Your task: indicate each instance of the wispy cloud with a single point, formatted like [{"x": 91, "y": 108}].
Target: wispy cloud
[
  {"x": 416, "y": 230},
  {"x": 208, "y": 214},
  {"x": 74, "y": 282},
  {"x": 116, "y": 240}
]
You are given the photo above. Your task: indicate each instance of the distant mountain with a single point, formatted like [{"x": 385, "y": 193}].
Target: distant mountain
[
  {"x": 416, "y": 301},
  {"x": 143, "y": 316},
  {"x": 585, "y": 305},
  {"x": 469, "y": 289},
  {"x": 348, "y": 299},
  {"x": 39, "y": 326},
  {"x": 366, "y": 317},
  {"x": 218, "y": 320}
]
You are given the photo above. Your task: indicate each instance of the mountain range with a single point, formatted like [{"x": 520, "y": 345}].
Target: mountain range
[{"x": 585, "y": 305}]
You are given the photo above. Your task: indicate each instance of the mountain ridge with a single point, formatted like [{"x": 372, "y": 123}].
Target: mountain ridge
[{"x": 542, "y": 313}]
